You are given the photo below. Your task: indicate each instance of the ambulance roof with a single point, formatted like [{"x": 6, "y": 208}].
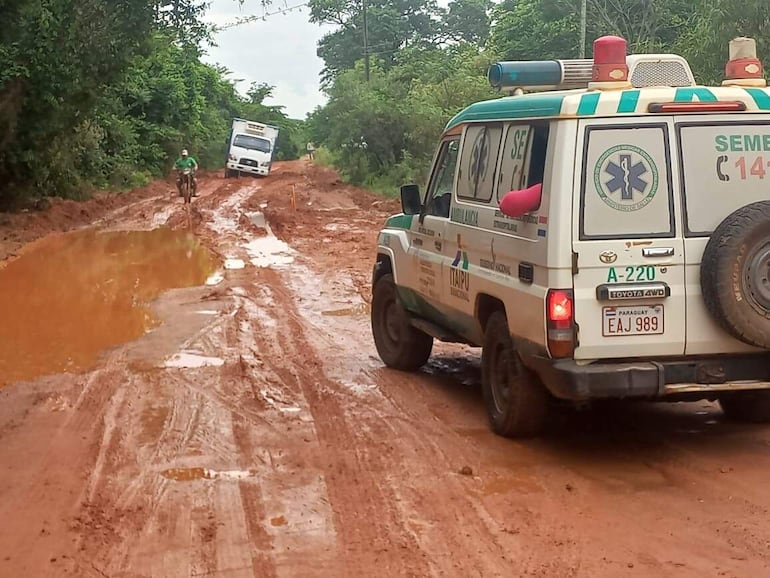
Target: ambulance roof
[{"x": 608, "y": 103}]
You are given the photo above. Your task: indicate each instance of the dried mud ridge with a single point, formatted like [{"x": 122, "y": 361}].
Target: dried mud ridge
[{"x": 255, "y": 433}]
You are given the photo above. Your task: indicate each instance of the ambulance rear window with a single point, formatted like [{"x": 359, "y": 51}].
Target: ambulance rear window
[{"x": 626, "y": 183}]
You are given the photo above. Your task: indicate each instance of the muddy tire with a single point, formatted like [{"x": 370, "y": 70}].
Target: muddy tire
[
  {"x": 517, "y": 403},
  {"x": 747, "y": 406},
  {"x": 187, "y": 190},
  {"x": 400, "y": 345},
  {"x": 735, "y": 274}
]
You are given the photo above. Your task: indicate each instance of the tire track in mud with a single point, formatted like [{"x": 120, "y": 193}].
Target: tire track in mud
[
  {"x": 360, "y": 497},
  {"x": 127, "y": 477},
  {"x": 192, "y": 430},
  {"x": 553, "y": 529},
  {"x": 375, "y": 432},
  {"x": 285, "y": 354},
  {"x": 443, "y": 523}
]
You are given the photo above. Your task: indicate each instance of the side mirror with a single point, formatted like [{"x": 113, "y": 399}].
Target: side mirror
[
  {"x": 521, "y": 202},
  {"x": 410, "y": 200}
]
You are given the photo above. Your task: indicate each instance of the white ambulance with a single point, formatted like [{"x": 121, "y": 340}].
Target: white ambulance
[
  {"x": 609, "y": 241},
  {"x": 251, "y": 148}
]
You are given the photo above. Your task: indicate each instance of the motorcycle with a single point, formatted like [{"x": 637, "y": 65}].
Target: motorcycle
[{"x": 187, "y": 185}]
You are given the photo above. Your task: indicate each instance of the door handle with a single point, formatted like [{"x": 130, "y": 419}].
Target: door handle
[{"x": 658, "y": 252}]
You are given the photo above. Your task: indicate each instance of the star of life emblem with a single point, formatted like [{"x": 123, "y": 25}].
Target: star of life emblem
[{"x": 626, "y": 178}]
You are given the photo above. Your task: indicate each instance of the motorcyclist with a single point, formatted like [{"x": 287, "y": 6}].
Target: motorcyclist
[{"x": 182, "y": 163}]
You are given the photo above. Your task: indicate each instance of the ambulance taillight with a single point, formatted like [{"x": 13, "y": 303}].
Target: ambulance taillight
[{"x": 560, "y": 318}]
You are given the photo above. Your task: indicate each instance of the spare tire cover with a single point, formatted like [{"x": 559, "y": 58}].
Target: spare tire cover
[{"x": 735, "y": 274}]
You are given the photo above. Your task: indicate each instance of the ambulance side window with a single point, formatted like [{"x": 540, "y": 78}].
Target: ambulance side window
[
  {"x": 626, "y": 185},
  {"x": 478, "y": 162},
  {"x": 440, "y": 190},
  {"x": 724, "y": 167},
  {"x": 523, "y": 159}
]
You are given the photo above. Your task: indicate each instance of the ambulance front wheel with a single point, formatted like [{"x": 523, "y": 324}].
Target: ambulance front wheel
[{"x": 399, "y": 344}]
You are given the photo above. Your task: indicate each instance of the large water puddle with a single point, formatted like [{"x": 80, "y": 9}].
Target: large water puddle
[{"x": 71, "y": 296}]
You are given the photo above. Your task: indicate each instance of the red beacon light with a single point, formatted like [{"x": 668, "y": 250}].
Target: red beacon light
[
  {"x": 610, "y": 70},
  {"x": 744, "y": 68}
]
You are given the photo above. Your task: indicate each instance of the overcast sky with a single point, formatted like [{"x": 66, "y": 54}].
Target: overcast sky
[{"x": 281, "y": 51}]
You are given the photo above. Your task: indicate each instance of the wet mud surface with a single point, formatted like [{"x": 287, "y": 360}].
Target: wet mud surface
[
  {"x": 68, "y": 297},
  {"x": 254, "y": 432}
]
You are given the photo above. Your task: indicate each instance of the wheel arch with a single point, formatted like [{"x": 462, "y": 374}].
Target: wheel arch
[
  {"x": 383, "y": 265},
  {"x": 486, "y": 305}
]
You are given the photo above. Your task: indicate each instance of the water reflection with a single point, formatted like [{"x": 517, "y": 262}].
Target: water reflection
[{"x": 70, "y": 296}]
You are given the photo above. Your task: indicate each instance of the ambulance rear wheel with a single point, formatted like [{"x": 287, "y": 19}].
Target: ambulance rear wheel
[
  {"x": 746, "y": 406},
  {"x": 400, "y": 345},
  {"x": 735, "y": 274},
  {"x": 517, "y": 403}
]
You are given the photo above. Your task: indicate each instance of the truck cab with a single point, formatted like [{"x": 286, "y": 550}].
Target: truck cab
[{"x": 251, "y": 148}]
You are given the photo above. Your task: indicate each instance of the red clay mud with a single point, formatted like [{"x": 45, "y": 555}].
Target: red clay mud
[{"x": 255, "y": 432}]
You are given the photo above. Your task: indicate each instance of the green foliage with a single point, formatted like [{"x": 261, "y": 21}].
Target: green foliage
[
  {"x": 289, "y": 137},
  {"x": 98, "y": 93},
  {"x": 543, "y": 29},
  {"x": 715, "y": 23},
  {"x": 56, "y": 56},
  {"x": 427, "y": 64},
  {"x": 383, "y": 133},
  {"x": 391, "y": 25}
]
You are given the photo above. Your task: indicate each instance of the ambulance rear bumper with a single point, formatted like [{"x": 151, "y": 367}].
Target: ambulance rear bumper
[{"x": 694, "y": 377}]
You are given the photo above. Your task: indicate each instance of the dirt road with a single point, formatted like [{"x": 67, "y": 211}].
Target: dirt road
[{"x": 253, "y": 432}]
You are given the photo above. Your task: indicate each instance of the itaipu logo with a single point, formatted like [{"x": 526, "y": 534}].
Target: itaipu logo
[
  {"x": 626, "y": 178},
  {"x": 461, "y": 258}
]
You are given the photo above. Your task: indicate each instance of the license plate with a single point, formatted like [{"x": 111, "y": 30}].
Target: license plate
[{"x": 632, "y": 320}]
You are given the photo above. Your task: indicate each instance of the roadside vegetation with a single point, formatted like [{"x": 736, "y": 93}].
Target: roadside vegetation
[
  {"x": 428, "y": 62},
  {"x": 97, "y": 93}
]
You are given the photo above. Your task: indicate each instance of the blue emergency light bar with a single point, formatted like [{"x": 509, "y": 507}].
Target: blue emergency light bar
[{"x": 541, "y": 74}]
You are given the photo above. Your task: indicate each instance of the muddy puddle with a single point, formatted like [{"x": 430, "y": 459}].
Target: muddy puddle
[
  {"x": 70, "y": 296},
  {"x": 191, "y": 474},
  {"x": 360, "y": 310}
]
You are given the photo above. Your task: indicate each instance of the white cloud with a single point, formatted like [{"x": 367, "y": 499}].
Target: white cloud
[{"x": 280, "y": 51}]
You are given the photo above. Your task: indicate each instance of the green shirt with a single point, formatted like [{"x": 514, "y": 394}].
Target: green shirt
[{"x": 188, "y": 163}]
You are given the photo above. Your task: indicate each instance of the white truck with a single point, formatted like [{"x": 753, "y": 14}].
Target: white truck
[{"x": 251, "y": 148}]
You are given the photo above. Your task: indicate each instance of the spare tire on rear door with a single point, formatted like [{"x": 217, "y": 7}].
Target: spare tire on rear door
[{"x": 735, "y": 274}]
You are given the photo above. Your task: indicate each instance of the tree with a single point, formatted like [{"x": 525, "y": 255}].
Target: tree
[
  {"x": 97, "y": 93},
  {"x": 57, "y": 56},
  {"x": 391, "y": 25},
  {"x": 466, "y": 21},
  {"x": 716, "y": 22},
  {"x": 545, "y": 29},
  {"x": 384, "y": 132},
  {"x": 183, "y": 18},
  {"x": 533, "y": 30}
]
